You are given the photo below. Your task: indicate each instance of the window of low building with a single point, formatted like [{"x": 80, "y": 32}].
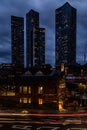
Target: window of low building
[
  {"x": 8, "y": 93},
  {"x": 25, "y": 100},
  {"x": 29, "y": 90},
  {"x": 40, "y": 101},
  {"x": 40, "y": 90},
  {"x": 25, "y": 89},
  {"x": 20, "y": 100},
  {"x": 21, "y": 89},
  {"x": 29, "y": 100}
]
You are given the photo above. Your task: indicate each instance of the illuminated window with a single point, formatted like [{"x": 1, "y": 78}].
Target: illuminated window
[
  {"x": 20, "y": 89},
  {"x": 24, "y": 100},
  {"x": 40, "y": 90},
  {"x": 20, "y": 100},
  {"x": 8, "y": 93},
  {"x": 25, "y": 89},
  {"x": 62, "y": 67},
  {"x": 40, "y": 101},
  {"x": 29, "y": 100},
  {"x": 29, "y": 90}
]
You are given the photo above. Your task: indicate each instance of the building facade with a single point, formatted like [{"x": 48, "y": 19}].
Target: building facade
[
  {"x": 43, "y": 88},
  {"x": 41, "y": 46},
  {"x": 17, "y": 40},
  {"x": 33, "y": 40},
  {"x": 65, "y": 35}
]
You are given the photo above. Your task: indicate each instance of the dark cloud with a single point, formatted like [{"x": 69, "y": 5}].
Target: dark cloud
[
  {"x": 46, "y": 10},
  {"x": 5, "y": 54}
]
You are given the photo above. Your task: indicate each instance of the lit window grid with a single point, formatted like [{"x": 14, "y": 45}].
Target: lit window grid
[
  {"x": 25, "y": 100},
  {"x": 40, "y": 101},
  {"x": 25, "y": 89},
  {"x": 40, "y": 90}
]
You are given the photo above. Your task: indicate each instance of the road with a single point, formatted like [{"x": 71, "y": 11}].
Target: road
[
  {"x": 18, "y": 121},
  {"x": 19, "y": 126}
]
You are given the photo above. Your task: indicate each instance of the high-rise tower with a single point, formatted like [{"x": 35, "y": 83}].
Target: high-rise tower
[
  {"x": 65, "y": 38},
  {"x": 33, "y": 40},
  {"x": 41, "y": 46},
  {"x": 17, "y": 40}
]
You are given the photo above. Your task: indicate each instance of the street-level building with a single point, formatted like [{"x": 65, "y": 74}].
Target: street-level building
[{"x": 43, "y": 88}]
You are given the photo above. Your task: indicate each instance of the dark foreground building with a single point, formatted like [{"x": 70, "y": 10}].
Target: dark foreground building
[
  {"x": 42, "y": 88},
  {"x": 30, "y": 90}
]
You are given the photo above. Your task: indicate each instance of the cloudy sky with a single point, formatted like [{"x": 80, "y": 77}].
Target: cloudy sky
[{"x": 46, "y": 9}]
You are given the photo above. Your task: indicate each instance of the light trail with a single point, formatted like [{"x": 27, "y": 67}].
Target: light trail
[{"x": 45, "y": 114}]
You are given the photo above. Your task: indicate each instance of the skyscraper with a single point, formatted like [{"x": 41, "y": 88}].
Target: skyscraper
[
  {"x": 17, "y": 40},
  {"x": 65, "y": 38},
  {"x": 41, "y": 46},
  {"x": 33, "y": 40}
]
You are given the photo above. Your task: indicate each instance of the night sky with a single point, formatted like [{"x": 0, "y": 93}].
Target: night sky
[{"x": 46, "y": 9}]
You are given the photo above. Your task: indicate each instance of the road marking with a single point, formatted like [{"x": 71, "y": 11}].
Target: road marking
[
  {"x": 76, "y": 129},
  {"x": 21, "y": 127},
  {"x": 47, "y": 127}
]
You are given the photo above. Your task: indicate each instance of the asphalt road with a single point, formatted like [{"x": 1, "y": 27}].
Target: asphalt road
[
  {"x": 43, "y": 122},
  {"x": 22, "y": 126}
]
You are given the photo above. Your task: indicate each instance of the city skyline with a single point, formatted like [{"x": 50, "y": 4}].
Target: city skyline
[{"x": 19, "y": 8}]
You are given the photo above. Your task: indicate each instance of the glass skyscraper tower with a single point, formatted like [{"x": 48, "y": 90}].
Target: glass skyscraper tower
[
  {"x": 65, "y": 35},
  {"x": 41, "y": 46},
  {"x": 17, "y": 40},
  {"x": 35, "y": 40}
]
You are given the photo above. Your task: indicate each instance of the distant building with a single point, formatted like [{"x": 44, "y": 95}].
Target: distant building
[
  {"x": 17, "y": 40},
  {"x": 65, "y": 30},
  {"x": 41, "y": 46},
  {"x": 34, "y": 40}
]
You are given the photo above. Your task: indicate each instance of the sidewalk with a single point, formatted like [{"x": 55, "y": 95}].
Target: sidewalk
[
  {"x": 50, "y": 111},
  {"x": 42, "y": 111}
]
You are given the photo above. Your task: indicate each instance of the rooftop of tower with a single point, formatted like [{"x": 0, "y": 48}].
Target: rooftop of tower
[
  {"x": 67, "y": 4},
  {"x": 32, "y": 11}
]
